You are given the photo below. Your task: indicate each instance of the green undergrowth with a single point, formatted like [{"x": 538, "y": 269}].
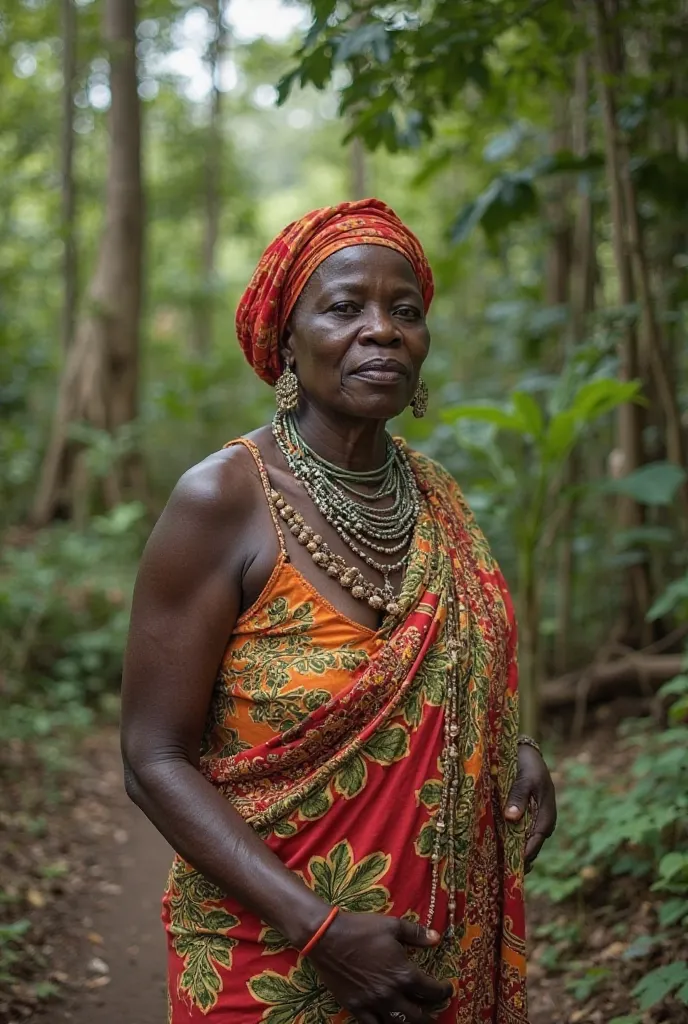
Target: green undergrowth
[
  {"x": 64, "y": 612},
  {"x": 622, "y": 844}
]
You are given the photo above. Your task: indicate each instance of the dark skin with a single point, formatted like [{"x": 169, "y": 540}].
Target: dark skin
[{"x": 356, "y": 339}]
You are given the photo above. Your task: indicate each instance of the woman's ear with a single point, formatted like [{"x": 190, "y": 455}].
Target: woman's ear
[{"x": 287, "y": 348}]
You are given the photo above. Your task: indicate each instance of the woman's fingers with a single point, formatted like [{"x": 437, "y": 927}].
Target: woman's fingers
[
  {"x": 406, "y": 1012},
  {"x": 421, "y": 986},
  {"x": 410, "y": 933}
]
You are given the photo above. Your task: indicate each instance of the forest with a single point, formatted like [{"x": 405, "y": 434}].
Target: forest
[{"x": 149, "y": 150}]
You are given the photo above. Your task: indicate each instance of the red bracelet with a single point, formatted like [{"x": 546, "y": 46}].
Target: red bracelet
[{"x": 320, "y": 932}]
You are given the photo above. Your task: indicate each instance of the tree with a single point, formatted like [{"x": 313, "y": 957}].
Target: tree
[
  {"x": 69, "y": 40},
  {"x": 99, "y": 385},
  {"x": 203, "y": 333}
]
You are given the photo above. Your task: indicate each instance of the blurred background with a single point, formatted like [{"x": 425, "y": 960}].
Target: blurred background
[{"x": 148, "y": 152}]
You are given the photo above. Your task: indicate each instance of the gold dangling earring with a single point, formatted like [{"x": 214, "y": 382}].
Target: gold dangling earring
[
  {"x": 287, "y": 390},
  {"x": 419, "y": 402}
]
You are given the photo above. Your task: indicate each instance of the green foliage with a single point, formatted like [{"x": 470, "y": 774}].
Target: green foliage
[
  {"x": 656, "y": 483},
  {"x": 529, "y": 483},
  {"x": 632, "y": 825},
  {"x": 64, "y": 610},
  {"x": 10, "y": 953}
]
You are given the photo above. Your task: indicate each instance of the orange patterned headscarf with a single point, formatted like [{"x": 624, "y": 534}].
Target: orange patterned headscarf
[{"x": 298, "y": 250}]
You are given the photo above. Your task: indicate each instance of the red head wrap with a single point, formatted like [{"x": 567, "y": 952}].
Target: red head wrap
[{"x": 289, "y": 261}]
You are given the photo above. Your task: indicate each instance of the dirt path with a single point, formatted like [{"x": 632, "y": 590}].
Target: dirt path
[{"x": 116, "y": 965}]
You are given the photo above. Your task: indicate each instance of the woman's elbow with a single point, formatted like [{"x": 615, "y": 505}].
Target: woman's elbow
[{"x": 149, "y": 771}]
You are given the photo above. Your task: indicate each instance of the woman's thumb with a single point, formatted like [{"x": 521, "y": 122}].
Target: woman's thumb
[
  {"x": 517, "y": 801},
  {"x": 412, "y": 934}
]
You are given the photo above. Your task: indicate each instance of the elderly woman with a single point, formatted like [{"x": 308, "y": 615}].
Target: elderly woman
[{"x": 320, "y": 704}]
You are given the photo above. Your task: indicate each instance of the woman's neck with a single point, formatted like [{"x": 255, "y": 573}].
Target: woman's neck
[{"x": 357, "y": 445}]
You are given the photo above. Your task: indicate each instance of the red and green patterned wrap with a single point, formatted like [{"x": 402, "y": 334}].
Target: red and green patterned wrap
[{"x": 326, "y": 737}]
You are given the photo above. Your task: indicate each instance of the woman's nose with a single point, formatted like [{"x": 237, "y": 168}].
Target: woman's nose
[{"x": 380, "y": 328}]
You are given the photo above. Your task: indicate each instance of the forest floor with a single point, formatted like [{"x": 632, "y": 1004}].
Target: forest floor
[{"x": 86, "y": 872}]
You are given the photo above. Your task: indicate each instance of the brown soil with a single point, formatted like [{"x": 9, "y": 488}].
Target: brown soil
[{"x": 90, "y": 883}]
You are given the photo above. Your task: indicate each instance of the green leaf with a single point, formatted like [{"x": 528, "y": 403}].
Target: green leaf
[
  {"x": 315, "y": 806},
  {"x": 598, "y": 397},
  {"x": 672, "y": 911},
  {"x": 388, "y": 746},
  {"x": 656, "y": 483},
  {"x": 676, "y": 687},
  {"x": 660, "y": 983},
  {"x": 560, "y": 436},
  {"x": 270, "y": 987},
  {"x": 673, "y": 864},
  {"x": 485, "y": 413},
  {"x": 674, "y": 594},
  {"x": 351, "y": 777},
  {"x": 529, "y": 413},
  {"x": 430, "y": 794}
]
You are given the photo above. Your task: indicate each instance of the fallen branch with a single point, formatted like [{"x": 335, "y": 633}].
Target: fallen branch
[{"x": 636, "y": 673}]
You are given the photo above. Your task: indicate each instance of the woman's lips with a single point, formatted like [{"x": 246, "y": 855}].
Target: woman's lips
[{"x": 381, "y": 373}]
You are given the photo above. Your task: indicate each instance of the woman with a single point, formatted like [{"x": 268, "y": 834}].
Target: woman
[{"x": 320, "y": 707}]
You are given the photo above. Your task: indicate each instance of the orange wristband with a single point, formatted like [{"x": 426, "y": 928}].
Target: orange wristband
[{"x": 320, "y": 932}]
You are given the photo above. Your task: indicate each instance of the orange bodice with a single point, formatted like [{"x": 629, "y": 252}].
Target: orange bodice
[{"x": 289, "y": 653}]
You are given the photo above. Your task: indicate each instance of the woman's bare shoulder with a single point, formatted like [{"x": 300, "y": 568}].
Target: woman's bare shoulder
[{"x": 225, "y": 484}]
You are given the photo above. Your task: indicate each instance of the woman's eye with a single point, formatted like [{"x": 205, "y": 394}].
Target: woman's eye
[
  {"x": 345, "y": 308},
  {"x": 407, "y": 312}
]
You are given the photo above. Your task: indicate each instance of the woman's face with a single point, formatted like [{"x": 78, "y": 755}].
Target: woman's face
[{"x": 357, "y": 336}]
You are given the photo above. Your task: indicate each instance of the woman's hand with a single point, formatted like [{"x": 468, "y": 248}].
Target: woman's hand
[
  {"x": 362, "y": 961},
  {"x": 533, "y": 783}
]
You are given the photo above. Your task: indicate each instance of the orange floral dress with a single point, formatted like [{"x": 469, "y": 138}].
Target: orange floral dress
[{"x": 326, "y": 737}]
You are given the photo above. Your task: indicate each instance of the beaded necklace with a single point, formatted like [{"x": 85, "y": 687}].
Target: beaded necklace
[{"x": 362, "y": 523}]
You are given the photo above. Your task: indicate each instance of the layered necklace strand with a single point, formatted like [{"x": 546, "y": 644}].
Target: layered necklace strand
[{"x": 362, "y": 523}]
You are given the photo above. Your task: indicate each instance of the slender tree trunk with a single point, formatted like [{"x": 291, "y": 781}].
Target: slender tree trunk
[
  {"x": 69, "y": 264},
  {"x": 99, "y": 384},
  {"x": 582, "y": 292},
  {"x": 608, "y": 48},
  {"x": 203, "y": 335},
  {"x": 558, "y": 259}
]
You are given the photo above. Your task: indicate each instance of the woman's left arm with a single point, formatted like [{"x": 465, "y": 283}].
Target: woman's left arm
[{"x": 533, "y": 784}]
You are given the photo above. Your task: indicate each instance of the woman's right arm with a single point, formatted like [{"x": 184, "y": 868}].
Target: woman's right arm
[{"x": 186, "y": 601}]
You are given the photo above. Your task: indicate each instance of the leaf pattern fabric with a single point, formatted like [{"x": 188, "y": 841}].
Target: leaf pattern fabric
[{"x": 326, "y": 737}]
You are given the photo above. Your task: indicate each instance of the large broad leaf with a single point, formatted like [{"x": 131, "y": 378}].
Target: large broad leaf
[
  {"x": 560, "y": 436},
  {"x": 529, "y": 413},
  {"x": 598, "y": 397},
  {"x": 485, "y": 413},
  {"x": 657, "y": 483},
  {"x": 660, "y": 983}
]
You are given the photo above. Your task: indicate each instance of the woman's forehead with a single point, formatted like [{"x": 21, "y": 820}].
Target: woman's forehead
[{"x": 363, "y": 262}]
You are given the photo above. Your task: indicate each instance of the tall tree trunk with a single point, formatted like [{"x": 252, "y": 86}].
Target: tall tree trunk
[
  {"x": 69, "y": 266},
  {"x": 203, "y": 334},
  {"x": 558, "y": 258},
  {"x": 581, "y": 304},
  {"x": 608, "y": 49},
  {"x": 99, "y": 384}
]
